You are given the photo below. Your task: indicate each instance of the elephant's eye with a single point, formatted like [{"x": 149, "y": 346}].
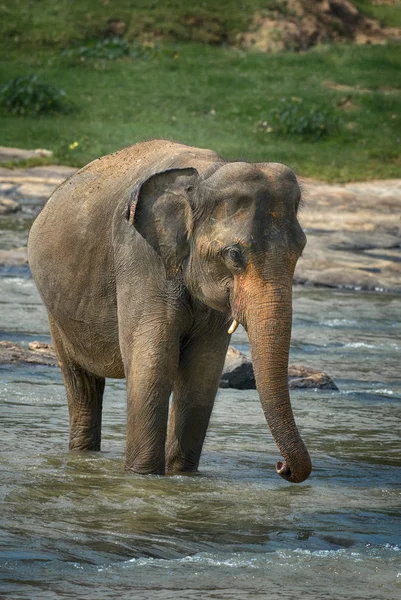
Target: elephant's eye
[
  {"x": 235, "y": 254},
  {"x": 234, "y": 257}
]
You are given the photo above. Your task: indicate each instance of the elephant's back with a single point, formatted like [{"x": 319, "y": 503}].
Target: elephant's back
[
  {"x": 74, "y": 228},
  {"x": 109, "y": 180}
]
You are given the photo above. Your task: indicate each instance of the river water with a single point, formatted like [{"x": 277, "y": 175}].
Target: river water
[{"x": 76, "y": 526}]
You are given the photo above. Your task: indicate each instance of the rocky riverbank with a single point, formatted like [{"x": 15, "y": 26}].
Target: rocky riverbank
[
  {"x": 237, "y": 372},
  {"x": 354, "y": 235},
  {"x": 353, "y": 230}
]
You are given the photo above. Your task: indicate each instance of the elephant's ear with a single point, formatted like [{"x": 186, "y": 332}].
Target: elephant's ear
[{"x": 159, "y": 209}]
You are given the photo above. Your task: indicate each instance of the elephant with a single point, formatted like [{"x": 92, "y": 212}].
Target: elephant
[{"x": 147, "y": 260}]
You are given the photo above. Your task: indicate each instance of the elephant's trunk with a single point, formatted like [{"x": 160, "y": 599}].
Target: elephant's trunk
[{"x": 268, "y": 316}]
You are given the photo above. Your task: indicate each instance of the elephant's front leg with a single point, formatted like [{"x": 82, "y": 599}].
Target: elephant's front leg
[
  {"x": 198, "y": 378},
  {"x": 150, "y": 374}
]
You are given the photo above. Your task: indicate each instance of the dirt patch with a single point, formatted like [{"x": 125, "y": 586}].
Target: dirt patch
[
  {"x": 300, "y": 24},
  {"x": 339, "y": 87}
]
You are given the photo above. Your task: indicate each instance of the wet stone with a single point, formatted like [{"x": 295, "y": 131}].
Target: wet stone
[
  {"x": 353, "y": 236},
  {"x": 8, "y": 206},
  {"x": 237, "y": 371},
  {"x": 363, "y": 241},
  {"x": 34, "y": 192},
  {"x": 6, "y": 187},
  {"x": 52, "y": 173},
  {"x": 37, "y": 353},
  {"x": 301, "y": 377}
]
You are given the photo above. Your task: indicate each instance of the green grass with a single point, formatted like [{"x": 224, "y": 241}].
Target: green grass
[
  {"x": 388, "y": 14},
  {"x": 201, "y": 94}
]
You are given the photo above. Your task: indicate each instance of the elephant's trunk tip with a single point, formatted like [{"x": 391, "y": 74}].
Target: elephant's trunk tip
[{"x": 285, "y": 472}]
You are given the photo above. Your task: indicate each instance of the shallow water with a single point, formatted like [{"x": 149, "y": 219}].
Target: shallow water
[{"x": 76, "y": 526}]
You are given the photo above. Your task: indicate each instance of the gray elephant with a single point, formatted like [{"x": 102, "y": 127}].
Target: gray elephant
[{"x": 147, "y": 260}]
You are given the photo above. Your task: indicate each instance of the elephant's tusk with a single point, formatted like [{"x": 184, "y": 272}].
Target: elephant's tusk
[{"x": 233, "y": 327}]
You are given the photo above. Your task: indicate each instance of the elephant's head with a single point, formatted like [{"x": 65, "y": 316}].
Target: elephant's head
[{"x": 233, "y": 234}]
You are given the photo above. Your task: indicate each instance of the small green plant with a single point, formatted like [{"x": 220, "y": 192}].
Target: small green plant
[
  {"x": 29, "y": 96},
  {"x": 293, "y": 117},
  {"x": 112, "y": 48}
]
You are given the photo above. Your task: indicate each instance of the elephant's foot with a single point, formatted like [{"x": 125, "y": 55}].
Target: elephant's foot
[
  {"x": 145, "y": 460},
  {"x": 179, "y": 461},
  {"x": 85, "y": 434},
  {"x": 181, "y": 470},
  {"x": 142, "y": 469}
]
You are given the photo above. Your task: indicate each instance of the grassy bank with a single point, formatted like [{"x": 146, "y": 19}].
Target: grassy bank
[
  {"x": 31, "y": 24},
  {"x": 212, "y": 96},
  {"x": 50, "y": 23}
]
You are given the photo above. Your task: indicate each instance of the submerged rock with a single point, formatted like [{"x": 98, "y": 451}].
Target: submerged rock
[{"x": 237, "y": 372}]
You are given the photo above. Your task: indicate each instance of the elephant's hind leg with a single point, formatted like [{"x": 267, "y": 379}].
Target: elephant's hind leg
[{"x": 84, "y": 396}]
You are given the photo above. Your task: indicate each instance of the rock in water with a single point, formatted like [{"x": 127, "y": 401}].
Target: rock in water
[
  {"x": 237, "y": 371},
  {"x": 238, "y": 374},
  {"x": 8, "y": 206},
  {"x": 38, "y": 353},
  {"x": 300, "y": 377}
]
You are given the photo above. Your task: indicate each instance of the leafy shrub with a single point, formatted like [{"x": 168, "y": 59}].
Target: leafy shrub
[
  {"x": 108, "y": 49},
  {"x": 293, "y": 117},
  {"x": 28, "y": 96}
]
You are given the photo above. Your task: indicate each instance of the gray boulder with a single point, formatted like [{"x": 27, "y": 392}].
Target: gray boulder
[{"x": 237, "y": 371}]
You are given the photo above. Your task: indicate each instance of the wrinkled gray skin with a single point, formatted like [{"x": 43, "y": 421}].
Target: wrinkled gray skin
[{"x": 143, "y": 258}]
